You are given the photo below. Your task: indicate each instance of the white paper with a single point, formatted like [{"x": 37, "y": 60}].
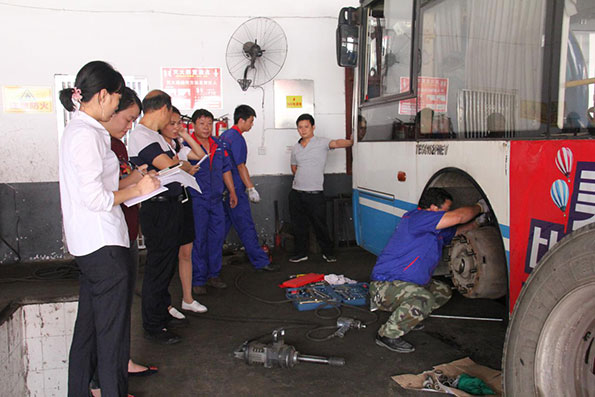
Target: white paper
[
  {"x": 167, "y": 176},
  {"x": 180, "y": 176},
  {"x": 138, "y": 199}
]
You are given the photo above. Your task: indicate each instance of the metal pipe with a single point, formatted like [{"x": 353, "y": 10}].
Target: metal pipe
[{"x": 334, "y": 361}]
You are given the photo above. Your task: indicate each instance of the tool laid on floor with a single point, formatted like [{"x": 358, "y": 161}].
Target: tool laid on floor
[
  {"x": 278, "y": 354},
  {"x": 344, "y": 324}
]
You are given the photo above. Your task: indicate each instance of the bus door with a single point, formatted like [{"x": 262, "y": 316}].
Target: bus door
[{"x": 382, "y": 164}]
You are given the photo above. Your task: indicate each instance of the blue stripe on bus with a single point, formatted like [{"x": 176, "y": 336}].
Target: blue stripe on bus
[
  {"x": 505, "y": 230},
  {"x": 377, "y": 227},
  {"x": 404, "y": 205},
  {"x": 373, "y": 227}
]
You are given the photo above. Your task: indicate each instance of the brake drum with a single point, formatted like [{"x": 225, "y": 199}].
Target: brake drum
[{"x": 478, "y": 263}]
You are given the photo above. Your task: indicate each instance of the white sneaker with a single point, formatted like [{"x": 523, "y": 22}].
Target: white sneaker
[
  {"x": 175, "y": 313},
  {"x": 194, "y": 307}
]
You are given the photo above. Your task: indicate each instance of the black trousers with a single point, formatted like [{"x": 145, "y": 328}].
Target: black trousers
[
  {"x": 309, "y": 207},
  {"x": 162, "y": 226},
  {"x": 133, "y": 251},
  {"x": 101, "y": 339}
]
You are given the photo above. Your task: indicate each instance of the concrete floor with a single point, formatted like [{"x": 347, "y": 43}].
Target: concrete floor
[{"x": 203, "y": 363}]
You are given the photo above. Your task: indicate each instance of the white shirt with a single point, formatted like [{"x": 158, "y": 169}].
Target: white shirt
[
  {"x": 142, "y": 137},
  {"x": 184, "y": 150},
  {"x": 183, "y": 153},
  {"x": 89, "y": 174}
]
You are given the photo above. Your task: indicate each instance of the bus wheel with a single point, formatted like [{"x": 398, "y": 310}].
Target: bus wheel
[
  {"x": 549, "y": 348},
  {"x": 478, "y": 263}
]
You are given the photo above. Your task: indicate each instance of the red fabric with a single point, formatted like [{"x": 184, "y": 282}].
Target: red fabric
[
  {"x": 302, "y": 280},
  {"x": 212, "y": 147},
  {"x": 130, "y": 213}
]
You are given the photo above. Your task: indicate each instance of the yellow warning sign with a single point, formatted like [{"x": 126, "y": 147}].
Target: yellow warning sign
[
  {"x": 27, "y": 99},
  {"x": 294, "y": 101}
]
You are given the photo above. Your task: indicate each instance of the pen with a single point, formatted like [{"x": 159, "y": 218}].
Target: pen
[{"x": 135, "y": 167}]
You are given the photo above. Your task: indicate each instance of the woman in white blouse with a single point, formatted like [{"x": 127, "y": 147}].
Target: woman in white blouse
[{"x": 96, "y": 232}]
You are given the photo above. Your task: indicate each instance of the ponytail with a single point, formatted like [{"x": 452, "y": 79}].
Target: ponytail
[{"x": 66, "y": 99}]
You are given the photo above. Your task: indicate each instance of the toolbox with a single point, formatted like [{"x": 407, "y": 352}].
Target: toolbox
[
  {"x": 352, "y": 294},
  {"x": 311, "y": 297}
]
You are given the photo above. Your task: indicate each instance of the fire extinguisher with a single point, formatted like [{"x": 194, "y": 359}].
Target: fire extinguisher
[
  {"x": 221, "y": 124},
  {"x": 267, "y": 251}
]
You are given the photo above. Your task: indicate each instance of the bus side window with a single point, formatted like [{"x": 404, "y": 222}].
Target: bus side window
[
  {"x": 424, "y": 121},
  {"x": 430, "y": 125},
  {"x": 496, "y": 125}
]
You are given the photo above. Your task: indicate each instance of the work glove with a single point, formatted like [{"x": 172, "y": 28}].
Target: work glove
[
  {"x": 482, "y": 220},
  {"x": 253, "y": 195},
  {"x": 484, "y": 206}
]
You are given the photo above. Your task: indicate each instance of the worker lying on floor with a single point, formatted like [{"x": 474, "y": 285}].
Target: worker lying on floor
[{"x": 401, "y": 281}]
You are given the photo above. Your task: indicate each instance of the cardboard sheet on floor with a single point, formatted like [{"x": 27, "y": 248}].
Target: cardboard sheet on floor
[{"x": 491, "y": 377}]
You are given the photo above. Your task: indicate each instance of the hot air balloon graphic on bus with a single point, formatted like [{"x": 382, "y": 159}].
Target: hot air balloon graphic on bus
[
  {"x": 564, "y": 161},
  {"x": 559, "y": 193}
]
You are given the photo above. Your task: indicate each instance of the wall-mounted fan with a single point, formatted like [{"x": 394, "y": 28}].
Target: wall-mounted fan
[{"x": 256, "y": 52}]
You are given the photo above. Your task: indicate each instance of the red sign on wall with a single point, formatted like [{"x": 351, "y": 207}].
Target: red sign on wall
[
  {"x": 552, "y": 193},
  {"x": 432, "y": 92},
  {"x": 192, "y": 88}
]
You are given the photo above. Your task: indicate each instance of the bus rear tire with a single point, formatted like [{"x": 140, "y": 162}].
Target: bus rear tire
[{"x": 549, "y": 348}]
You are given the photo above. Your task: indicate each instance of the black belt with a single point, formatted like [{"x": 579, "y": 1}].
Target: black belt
[
  {"x": 309, "y": 191},
  {"x": 163, "y": 199}
]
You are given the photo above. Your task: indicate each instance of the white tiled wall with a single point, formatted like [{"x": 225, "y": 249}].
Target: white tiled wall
[
  {"x": 34, "y": 346},
  {"x": 12, "y": 359},
  {"x": 48, "y": 334}
]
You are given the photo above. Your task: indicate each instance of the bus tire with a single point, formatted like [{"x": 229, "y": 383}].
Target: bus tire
[{"x": 549, "y": 348}]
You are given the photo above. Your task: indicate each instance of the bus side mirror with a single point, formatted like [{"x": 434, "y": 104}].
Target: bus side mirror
[{"x": 347, "y": 38}]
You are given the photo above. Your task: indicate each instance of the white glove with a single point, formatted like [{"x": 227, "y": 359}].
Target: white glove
[
  {"x": 484, "y": 206},
  {"x": 482, "y": 220},
  {"x": 253, "y": 195}
]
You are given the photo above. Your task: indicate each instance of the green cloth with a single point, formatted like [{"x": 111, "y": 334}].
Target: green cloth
[{"x": 473, "y": 385}]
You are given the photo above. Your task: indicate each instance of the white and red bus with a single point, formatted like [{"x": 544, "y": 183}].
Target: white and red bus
[{"x": 488, "y": 99}]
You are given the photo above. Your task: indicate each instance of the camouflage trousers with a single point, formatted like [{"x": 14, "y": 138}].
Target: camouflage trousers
[{"x": 409, "y": 302}]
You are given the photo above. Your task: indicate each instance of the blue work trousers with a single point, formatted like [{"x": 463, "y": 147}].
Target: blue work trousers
[
  {"x": 209, "y": 230},
  {"x": 241, "y": 219}
]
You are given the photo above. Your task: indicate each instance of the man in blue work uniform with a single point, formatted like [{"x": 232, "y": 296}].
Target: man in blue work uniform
[
  {"x": 402, "y": 277},
  {"x": 209, "y": 217},
  {"x": 240, "y": 216}
]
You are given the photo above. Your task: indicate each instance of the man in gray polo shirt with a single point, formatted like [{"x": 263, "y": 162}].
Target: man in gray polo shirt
[{"x": 306, "y": 199}]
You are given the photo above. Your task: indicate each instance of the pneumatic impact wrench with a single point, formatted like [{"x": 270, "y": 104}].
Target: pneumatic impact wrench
[{"x": 278, "y": 354}]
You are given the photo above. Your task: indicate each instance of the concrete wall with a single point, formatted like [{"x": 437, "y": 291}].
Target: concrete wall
[{"x": 44, "y": 38}]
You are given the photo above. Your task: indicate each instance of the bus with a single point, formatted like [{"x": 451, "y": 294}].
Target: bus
[{"x": 489, "y": 99}]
